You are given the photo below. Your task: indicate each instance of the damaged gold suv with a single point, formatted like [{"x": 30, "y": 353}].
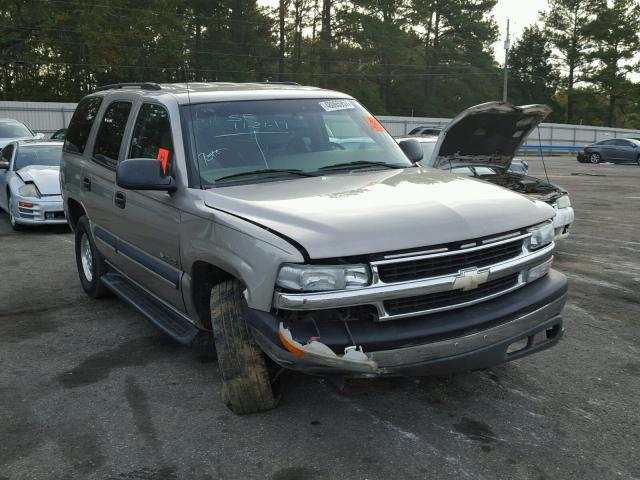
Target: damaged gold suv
[{"x": 285, "y": 224}]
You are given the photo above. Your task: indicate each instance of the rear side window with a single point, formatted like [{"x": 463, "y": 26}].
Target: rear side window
[
  {"x": 152, "y": 136},
  {"x": 80, "y": 125},
  {"x": 110, "y": 134}
]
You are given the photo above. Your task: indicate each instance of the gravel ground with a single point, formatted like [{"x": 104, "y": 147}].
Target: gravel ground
[{"x": 90, "y": 390}]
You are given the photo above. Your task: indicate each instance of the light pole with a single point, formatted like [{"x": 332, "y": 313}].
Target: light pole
[{"x": 507, "y": 45}]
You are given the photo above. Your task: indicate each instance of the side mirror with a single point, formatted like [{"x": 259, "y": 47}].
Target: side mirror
[
  {"x": 39, "y": 136},
  {"x": 4, "y": 165},
  {"x": 412, "y": 150},
  {"x": 143, "y": 174}
]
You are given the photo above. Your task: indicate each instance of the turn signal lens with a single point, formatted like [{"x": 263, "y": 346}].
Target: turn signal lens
[{"x": 25, "y": 204}]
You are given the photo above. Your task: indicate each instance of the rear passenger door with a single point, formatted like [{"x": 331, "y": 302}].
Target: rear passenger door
[
  {"x": 99, "y": 176},
  {"x": 147, "y": 222}
]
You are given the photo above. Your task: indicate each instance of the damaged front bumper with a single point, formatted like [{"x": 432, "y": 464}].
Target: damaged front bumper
[{"x": 510, "y": 327}]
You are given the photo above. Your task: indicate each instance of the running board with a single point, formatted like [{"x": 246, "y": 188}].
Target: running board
[{"x": 170, "y": 322}]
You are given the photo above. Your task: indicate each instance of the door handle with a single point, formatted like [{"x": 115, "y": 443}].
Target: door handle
[
  {"x": 120, "y": 200},
  {"x": 86, "y": 184}
]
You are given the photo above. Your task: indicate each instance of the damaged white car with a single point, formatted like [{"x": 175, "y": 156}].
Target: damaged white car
[
  {"x": 481, "y": 143},
  {"x": 30, "y": 183}
]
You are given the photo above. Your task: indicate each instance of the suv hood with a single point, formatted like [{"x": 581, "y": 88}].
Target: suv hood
[
  {"x": 378, "y": 211},
  {"x": 490, "y": 133},
  {"x": 46, "y": 178}
]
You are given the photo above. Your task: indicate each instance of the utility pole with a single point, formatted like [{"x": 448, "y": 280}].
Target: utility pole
[{"x": 507, "y": 45}]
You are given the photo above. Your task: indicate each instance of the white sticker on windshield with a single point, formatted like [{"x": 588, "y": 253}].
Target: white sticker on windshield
[{"x": 333, "y": 105}]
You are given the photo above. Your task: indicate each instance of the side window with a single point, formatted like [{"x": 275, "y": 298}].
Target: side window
[
  {"x": 5, "y": 156},
  {"x": 608, "y": 142},
  {"x": 623, "y": 143},
  {"x": 152, "y": 136},
  {"x": 110, "y": 134},
  {"x": 80, "y": 126}
]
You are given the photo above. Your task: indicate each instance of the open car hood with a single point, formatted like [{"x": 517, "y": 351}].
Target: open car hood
[
  {"x": 490, "y": 133},
  {"x": 46, "y": 178}
]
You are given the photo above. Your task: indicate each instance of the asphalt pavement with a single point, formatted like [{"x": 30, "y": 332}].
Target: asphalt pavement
[{"x": 90, "y": 390}]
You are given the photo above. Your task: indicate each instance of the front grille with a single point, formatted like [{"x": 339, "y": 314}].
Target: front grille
[
  {"x": 448, "y": 264},
  {"x": 451, "y": 298}
]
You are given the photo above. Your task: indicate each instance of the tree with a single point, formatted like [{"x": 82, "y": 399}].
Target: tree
[
  {"x": 615, "y": 43},
  {"x": 533, "y": 76},
  {"x": 564, "y": 24}
]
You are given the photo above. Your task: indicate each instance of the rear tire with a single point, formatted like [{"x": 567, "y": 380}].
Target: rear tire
[
  {"x": 246, "y": 387},
  {"x": 91, "y": 265}
]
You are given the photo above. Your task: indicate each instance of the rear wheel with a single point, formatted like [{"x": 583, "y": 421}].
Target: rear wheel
[
  {"x": 595, "y": 158},
  {"x": 91, "y": 265},
  {"x": 246, "y": 387}
]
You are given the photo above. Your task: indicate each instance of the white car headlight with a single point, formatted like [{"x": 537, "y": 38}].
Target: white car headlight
[
  {"x": 563, "y": 202},
  {"x": 316, "y": 278},
  {"x": 541, "y": 235},
  {"x": 29, "y": 190}
]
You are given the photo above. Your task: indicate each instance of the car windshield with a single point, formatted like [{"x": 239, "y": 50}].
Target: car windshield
[
  {"x": 251, "y": 141},
  {"x": 14, "y": 130},
  {"x": 427, "y": 150},
  {"x": 49, "y": 155}
]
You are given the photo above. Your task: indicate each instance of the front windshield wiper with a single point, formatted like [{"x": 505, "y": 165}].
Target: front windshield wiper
[
  {"x": 276, "y": 171},
  {"x": 361, "y": 164}
]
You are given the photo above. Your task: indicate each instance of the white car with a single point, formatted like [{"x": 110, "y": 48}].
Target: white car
[
  {"x": 12, "y": 130},
  {"x": 30, "y": 183},
  {"x": 481, "y": 143}
]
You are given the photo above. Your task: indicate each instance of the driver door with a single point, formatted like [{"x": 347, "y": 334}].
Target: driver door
[{"x": 5, "y": 157}]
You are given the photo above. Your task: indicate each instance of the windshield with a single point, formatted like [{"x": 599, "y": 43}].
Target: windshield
[
  {"x": 14, "y": 130},
  {"x": 254, "y": 140},
  {"x": 49, "y": 155},
  {"x": 427, "y": 150}
]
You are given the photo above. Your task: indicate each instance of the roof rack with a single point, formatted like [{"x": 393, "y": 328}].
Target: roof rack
[{"x": 141, "y": 85}]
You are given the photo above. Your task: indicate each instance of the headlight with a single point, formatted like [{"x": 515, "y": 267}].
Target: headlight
[
  {"x": 541, "y": 235},
  {"x": 315, "y": 278},
  {"x": 563, "y": 202},
  {"x": 539, "y": 271},
  {"x": 29, "y": 190}
]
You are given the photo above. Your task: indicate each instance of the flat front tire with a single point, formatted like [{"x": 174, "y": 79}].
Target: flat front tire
[
  {"x": 246, "y": 387},
  {"x": 91, "y": 265}
]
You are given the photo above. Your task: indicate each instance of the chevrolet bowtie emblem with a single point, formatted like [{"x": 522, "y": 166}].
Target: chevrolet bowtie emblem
[{"x": 470, "y": 279}]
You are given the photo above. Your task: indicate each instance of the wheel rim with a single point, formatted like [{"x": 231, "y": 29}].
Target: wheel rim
[
  {"x": 86, "y": 258},
  {"x": 595, "y": 158}
]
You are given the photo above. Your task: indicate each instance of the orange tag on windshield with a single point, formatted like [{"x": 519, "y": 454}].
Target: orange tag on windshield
[
  {"x": 163, "y": 157},
  {"x": 373, "y": 123}
]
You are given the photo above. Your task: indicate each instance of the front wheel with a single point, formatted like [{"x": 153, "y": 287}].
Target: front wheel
[
  {"x": 91, "y": 265},
  {"x": 246, "y": 387},
  {"x": 12, "y": 220},
  {"x": 595, "y": 158}
]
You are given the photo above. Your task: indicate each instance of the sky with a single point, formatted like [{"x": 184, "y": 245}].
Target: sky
[{"x": 522, "y": 13}]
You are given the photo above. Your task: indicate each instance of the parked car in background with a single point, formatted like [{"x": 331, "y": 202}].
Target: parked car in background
[
  {"x": 614, "y": 150},
  {"x": 59, "y": 134},
  {"x": 30, "y": 183},
  {"x": 11, "y": 130},
  {"x": 481, "y": 143},
  {"x": 244, "y": 214},
  {"x": 423, "y": 130}
]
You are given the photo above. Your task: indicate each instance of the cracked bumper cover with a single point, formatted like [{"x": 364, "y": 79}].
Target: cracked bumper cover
[{"x": 493, "y": 327}]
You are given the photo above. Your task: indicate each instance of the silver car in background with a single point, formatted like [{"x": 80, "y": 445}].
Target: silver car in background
[
  {"x": 30, "y": 183},
  {"x": 12, "y": 130}
]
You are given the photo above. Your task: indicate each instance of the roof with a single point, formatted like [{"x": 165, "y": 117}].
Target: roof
[
  {"x": 10, "y": 120},
  {"x": 38, "y": 142},
  {"x": 199, "y": 92},
  {"x": 421, "y": 139}
]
